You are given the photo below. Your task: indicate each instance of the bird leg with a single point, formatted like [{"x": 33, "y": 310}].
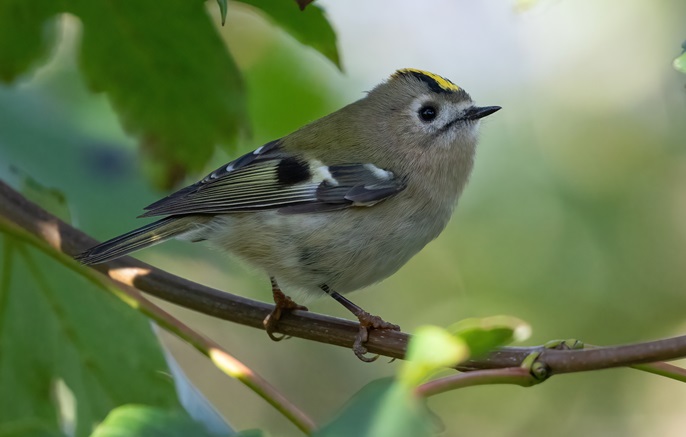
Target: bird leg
[
  {"x": 367, "y": 322},
  {"x": 283, "y": 304}
]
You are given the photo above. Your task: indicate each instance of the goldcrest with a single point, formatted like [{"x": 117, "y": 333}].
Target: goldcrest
[{"x": 337, "y": 205}]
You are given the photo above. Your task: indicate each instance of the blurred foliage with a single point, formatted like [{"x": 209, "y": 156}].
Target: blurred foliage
[
  {"x": 223, "y": 6},
  {"x": 179, "y": 90},
  {"x": 173, "y": 86},
  {"x": 574, "y": 218},
  {"x": 195, "y": 404},
  {"x": 431, "y": 348},
  {"x": 50, "y": 199},
  {"x": 390, "y": 408},
  {"x": 303, "y": 3},
  {"x": 145, "y": 421},
  {"x": 32, "y": 36},
  {"x": 485, "y": 334},
  {"x": 309, "y": 26},
  {"x": 383, "y": 408},
  {"x": 63, "y": 361}
]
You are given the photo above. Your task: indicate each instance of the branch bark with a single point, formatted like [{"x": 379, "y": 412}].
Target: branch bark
[{"x": 311, "y": 326}]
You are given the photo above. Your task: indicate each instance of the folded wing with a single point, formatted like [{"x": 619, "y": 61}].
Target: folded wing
[{"x": 270, "y": 178}]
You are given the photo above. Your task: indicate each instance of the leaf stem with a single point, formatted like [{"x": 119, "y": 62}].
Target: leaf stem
[
  {"x": 509, "y": 375},
  {"x": 663, "y": 369}
]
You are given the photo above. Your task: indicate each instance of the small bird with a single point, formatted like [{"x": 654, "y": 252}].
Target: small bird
[{"x": 337, "y": 205}]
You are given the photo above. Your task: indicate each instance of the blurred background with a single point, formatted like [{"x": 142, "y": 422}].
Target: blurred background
[{"x": 574, "y": 219}]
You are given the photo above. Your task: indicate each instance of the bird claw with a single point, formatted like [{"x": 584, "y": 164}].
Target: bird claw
[
  {"x": 367, "y": 322},
  {"x": 270, "y": 323},
  {"x": 283, "y": 304}
]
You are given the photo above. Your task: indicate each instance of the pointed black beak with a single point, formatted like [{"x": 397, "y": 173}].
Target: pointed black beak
[{"x": 475, "y": 113}]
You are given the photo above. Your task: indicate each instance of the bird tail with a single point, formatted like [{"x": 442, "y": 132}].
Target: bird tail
[{"x": 146, "y": 236}]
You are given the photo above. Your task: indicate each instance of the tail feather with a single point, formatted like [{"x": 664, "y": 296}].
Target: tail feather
[{"x": 140, "y": 238}]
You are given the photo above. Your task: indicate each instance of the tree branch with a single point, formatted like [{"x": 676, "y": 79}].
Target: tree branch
[{"x": 307, "y": 325}]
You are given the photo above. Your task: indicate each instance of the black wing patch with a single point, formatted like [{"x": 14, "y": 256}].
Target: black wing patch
[
  {"x": 356, "y": 185},
  {"x": 269, "y": 178}
]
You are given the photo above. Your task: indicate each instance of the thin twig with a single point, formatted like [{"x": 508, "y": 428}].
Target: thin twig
[
  {"x": 510, "y": 375},
  {"x": 663, "y": 369}
]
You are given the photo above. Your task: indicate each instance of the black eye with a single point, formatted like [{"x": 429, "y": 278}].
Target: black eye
[{"x": 428, "y": 113}]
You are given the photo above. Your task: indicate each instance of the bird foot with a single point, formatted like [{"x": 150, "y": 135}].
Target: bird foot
[
  {"x": 367, "y": 323},
  {"x": 283, "y": 304}
]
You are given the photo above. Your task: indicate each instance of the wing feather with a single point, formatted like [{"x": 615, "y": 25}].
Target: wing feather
[{"x": 270, "y": 178}]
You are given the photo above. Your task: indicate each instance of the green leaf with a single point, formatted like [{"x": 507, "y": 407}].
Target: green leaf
[
  {"x": 383, "y": 408},
  {"x": 302, "y": 4},
  {"x": 222, "y": 10},
  {"x": 27, "y": 35},
  {"x": 431, "y": 348},
  {"x": 69, "y": 352},
  {"x": 167, "y": 74},
  {"x": 483, "y": 335},
  {"x": 145, "y": 421},
  {"x": 193, "y": 401},
  {"x": 309, "y": 26}
]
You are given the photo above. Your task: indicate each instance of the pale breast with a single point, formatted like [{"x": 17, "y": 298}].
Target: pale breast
[{"x": 347, "y": 249}]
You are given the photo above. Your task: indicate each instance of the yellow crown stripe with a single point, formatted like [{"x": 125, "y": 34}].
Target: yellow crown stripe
[{"x": 440, "y": 81}]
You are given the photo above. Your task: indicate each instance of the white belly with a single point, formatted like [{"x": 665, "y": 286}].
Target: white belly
[{"x": 346, "y": 250}]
